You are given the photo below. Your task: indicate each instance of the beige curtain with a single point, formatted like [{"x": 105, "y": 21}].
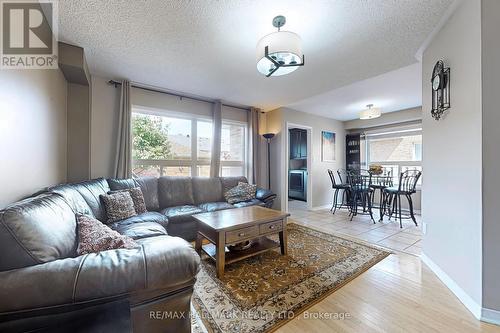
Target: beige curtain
[
  {"x": 216, "y": 139},
  {"x": 123, "y": 158},
  {"x": 253, "y": 145}
]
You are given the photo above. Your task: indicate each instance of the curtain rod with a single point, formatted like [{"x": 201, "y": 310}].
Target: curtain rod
[{"x": 200, "y": 99}]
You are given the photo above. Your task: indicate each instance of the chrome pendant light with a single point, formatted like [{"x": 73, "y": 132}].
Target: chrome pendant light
[{"x": 280, "y": 52}]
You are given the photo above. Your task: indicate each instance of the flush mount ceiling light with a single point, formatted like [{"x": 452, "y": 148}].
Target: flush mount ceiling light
[
  {"x": 370, "y": 113},
  {"x": 280, "y": 52}
]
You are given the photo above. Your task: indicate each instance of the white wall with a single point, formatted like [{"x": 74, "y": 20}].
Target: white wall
[
  {"x": 105, "y": 106},
  {"x": 32, "y": 131},
  {"x": 451, "y": 193},
  {"x": 490, "y": 24},
  {"x": 277, "y": 123}
]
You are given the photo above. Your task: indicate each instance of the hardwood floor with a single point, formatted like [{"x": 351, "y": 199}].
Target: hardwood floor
[{"x": 399, "y": 294}]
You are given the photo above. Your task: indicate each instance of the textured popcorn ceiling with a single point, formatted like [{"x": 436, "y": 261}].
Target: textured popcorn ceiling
[{"x": 207, "y": 47}]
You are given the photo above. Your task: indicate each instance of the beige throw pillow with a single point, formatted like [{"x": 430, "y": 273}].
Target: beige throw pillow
[
  {"x": 94, "y": 236},
  {"x": 119, "y": 206}
]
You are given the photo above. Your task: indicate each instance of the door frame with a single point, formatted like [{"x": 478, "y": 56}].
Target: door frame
[{"x": 285, "y": 158}]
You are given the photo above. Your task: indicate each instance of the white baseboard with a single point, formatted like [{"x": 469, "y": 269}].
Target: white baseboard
[
  {"x": 490, "y": 316},
  {"x": 466, "y": 300}
]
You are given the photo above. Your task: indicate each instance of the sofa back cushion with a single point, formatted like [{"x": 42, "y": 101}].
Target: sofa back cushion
[
  {"x": 230, "y": 182},
  {"x": 175, "y": 191},
  {"x": 207, "y": 190},
  {"x": 74, "y": 199},
  {"x": 148, "y": 185},
  {"x": 37, "y": 230},
  {"x": 90, "y": 191}
]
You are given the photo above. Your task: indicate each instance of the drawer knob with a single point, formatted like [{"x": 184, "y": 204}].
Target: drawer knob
[
  {"x": 241, "y": 234},
  {"x": 272, "y": 226}
]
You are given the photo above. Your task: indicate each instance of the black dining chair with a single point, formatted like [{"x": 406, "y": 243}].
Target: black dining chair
[
  {"x": 392, "y": 195},
  {"x": 337, "y": 187},
  {"x": 360, "y": 192},
  {"x": 380, "y": 181}
]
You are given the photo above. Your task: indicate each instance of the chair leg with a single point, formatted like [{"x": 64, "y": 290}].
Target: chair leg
[
  {"x": 410, "y": 203},
  {"x": 370, "y": 197},
  {"x": 399, "y": 208},
  {"x": 335, "y": 200},
  {"x": 392, "y": 205},
  {"x": 354, "y": 205},
  {"x": 382, "y": 205}
]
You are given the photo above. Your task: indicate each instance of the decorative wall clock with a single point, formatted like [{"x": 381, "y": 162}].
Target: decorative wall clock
[{"x": 440, "y": 90}]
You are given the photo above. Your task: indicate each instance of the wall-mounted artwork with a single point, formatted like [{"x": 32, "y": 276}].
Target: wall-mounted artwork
[{"x": 327, "y": 146}]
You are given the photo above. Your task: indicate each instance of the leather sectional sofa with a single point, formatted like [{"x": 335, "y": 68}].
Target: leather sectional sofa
[{"x": 43, "y": 280}]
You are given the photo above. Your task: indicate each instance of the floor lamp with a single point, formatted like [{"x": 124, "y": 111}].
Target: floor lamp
[{"x": 268, "y": 137}]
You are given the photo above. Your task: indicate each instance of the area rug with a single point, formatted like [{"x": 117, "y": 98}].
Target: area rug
[{"x": 261, "y": 293}]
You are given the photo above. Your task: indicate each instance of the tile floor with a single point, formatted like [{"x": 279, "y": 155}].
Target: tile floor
[{"x": 387, "y": 233}]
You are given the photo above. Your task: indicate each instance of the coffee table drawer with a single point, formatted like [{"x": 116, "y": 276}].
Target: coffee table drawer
[
  {"x": 241, "y": 234},
  {"x": 270, "y": 227}
]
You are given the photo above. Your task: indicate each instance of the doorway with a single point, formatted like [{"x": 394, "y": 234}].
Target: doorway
[{"x": 297, "y": 168}]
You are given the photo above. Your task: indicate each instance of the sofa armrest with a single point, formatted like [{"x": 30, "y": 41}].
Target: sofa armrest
[
  {"x": 265, "y": 195},
  {"x": 160, "y": 262}
]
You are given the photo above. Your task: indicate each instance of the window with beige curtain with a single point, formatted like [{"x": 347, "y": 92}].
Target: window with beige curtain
[{"x": 169, "y": 144}]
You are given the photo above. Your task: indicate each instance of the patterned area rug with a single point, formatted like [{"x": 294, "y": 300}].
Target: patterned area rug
[{"x": 260, "y": 294}]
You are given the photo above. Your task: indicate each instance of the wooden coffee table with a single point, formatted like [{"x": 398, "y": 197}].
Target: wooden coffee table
[{"x": 232, "y": 226}]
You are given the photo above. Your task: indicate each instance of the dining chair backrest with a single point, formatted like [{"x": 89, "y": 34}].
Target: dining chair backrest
[
  {"x": 408, "y": 180},
  {"x": 332, "y": 177},
  {"x": 359, "y": 179},
  {"x": 342, "y": 173}
]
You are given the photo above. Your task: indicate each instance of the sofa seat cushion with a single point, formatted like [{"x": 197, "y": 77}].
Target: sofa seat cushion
[
  {"x": 180, "y": 214},
  {"x": 253, "y": 202},
  {"x": 170, "y": 261},
  {"x": 215, "y": 206},
  {"x": 186, "y": 230},
  {"x": 147, "y": 224},
  {"x": 140, "y": 230}
]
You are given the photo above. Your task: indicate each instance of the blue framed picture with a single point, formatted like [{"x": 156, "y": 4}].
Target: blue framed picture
[{"x": 327, "y": 146}]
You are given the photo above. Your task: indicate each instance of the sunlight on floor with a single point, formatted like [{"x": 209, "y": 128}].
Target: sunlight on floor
[{"x": 387, "y": 233}]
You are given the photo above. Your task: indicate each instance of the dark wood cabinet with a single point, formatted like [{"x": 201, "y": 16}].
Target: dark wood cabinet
[
  {"x": 298, "y": 143},
  {"x": 353, "y": 151}
]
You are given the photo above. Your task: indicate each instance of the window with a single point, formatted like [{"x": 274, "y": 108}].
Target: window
[
  {"x": 204, "y": 147},
  {"x": 233, "y": 151},
  {"x": 398, "y": 150},
  {"x": 163, "y": 145}
]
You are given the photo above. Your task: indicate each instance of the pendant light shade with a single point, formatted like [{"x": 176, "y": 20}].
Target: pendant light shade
[
  {"x": 280, "y": 52},
  {"x": 370, "y": 113}
]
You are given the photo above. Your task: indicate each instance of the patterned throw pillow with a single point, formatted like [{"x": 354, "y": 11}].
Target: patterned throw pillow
[
  {"x": 241, "y": 192},
  {"x": 94, "y": 236},
  {"x": 137, "y": 198},
  {"x": 119, "y": 206}
]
